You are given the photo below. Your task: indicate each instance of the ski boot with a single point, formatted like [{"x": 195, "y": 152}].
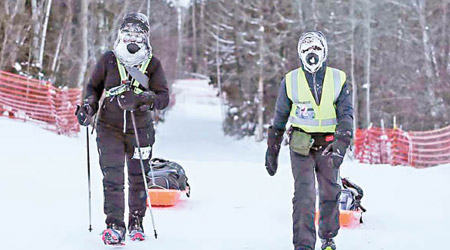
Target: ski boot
[
  {"x": 328, "y": 244},
  {"x": 135, "y": 228},
  {"x": 113, "y": 235}
]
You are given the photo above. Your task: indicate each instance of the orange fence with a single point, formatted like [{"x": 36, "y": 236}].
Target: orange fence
[
  {"x": 39, "y": 102},
  {"x": 397, "y": 147}
]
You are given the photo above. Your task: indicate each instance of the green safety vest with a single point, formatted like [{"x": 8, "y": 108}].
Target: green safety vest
[
  {"x": 124, "y": 77},
  {"x": 305, "y": 113}
]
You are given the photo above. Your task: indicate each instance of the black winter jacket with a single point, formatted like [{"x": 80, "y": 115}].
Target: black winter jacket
[
  {"x": 106, "y": 76},
  {"x": 344, "y": 106}
]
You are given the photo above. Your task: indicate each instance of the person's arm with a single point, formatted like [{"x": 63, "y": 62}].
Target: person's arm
[
  {"x": 92, "y": 94},
  {"x": 158, "y": 84},
  {"x": 344, "y": 128},
  {"x": 282, "y": 108},
  {"x": 276, "y": 131},
  {"x": 95, "y": 86},
  {"x": 344, "y": 112}
]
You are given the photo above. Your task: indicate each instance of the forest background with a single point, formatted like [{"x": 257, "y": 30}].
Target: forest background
[{"x": 396, "y": 53}]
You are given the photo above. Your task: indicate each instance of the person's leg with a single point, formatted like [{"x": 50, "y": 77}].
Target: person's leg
[
  {"x": 111, "y": 150},
  {"x": 329, "y": 192},
  {"x": 136, "y": 192},
  {"x": 304, "y": 201}
]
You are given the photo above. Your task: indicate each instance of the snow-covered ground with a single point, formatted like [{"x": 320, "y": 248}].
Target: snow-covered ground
[{"x": 235, "y": 204}]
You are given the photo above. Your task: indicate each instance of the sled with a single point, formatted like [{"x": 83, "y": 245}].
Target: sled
[
  {"x": 350, "y": 218},
  {"x": 167, "y": 183},
  {"x": 347, "y": 218},
  {"x": 164, "y": 197}
]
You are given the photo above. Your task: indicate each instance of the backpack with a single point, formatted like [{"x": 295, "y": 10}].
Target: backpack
[
  {"x": 351, "y": 195},
  {"x": 168, "y": 175}
]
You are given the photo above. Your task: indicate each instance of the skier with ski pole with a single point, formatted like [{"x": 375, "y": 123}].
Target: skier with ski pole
[
  {"x": 134, "y": 84},
  {"x": 316, "y": 100}
]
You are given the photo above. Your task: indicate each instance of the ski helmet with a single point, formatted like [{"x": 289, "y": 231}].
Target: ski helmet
[
  {"x": 312, "y": 50},
  {"x": 132, "y": 46}
]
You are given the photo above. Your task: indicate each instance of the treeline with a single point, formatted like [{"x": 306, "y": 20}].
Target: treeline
[
  {"x": 395, "y": 53},
  {"x": 61, "y": 40}
]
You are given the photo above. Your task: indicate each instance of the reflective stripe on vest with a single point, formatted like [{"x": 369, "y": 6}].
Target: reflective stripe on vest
[
  {"x": 305, "y": 113},
  {"x": 124, "y": 77}
]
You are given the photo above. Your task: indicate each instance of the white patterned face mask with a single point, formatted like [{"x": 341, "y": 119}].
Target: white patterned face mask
[
  {"x": 312, "y": 50},
  {"x": 132, "y": 50},
  {"x": 132, "y": 46}
]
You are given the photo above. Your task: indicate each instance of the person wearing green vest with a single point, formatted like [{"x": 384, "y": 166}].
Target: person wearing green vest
[
  {"x": 316, "y": 102},
  {"x": 133, "y": 83}
]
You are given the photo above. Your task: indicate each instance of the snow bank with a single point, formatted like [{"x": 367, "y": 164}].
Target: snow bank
[{"x": 234, "y": 204}]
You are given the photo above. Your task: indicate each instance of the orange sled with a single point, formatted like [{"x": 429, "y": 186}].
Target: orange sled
[
  {"x": 164, "y": 197},
  {"x": 347, "y": 218}
]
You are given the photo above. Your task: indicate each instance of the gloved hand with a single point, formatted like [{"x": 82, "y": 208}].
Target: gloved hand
[
  {"x": 148, "y": 99},
  {"x": 274, "y": 139},
  {"x": 131, "y": 101},
  {"x": 338, "y": 147},
  {"x": 336, "y": 150},
  {"x": 84, "y": 114}
]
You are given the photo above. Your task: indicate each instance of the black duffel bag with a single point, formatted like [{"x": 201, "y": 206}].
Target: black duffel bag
[{"x": 168, "y": 175}]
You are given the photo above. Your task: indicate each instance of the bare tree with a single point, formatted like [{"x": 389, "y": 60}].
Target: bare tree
[
  {"x": 368, "y": 41},
  {"x": 180, "y": 20},
  {"x": 396, "y": 52},
  {"x": 352, "y": 68},
  {"x": 149, "y": 9},
  {"x": 15, "y": 29},
  {"x": 44, "y": 33},
  {"x": 84, "y": 41},
  {"x": 194, "y": 37},
  {"x": 35, "y": 13}
]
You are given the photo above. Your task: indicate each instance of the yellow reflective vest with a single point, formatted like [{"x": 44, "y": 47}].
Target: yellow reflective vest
[
  {"x": 124, "y": 77},
  {"x": 305, "y": 113}
]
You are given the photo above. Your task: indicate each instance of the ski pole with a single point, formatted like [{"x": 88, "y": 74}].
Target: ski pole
[
  {"x": 133, "y": 120},
  {"x": 89, "y": 177}
]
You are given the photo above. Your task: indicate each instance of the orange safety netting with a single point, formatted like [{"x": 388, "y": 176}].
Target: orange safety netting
[
  {"x": 39, "y": 102},
  {"x": 398, "y": 147}
]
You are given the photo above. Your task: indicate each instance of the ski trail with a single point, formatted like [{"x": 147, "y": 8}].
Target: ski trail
[
  {"x": 222, "y": 171},
  {"x": 235, "y": 204}
]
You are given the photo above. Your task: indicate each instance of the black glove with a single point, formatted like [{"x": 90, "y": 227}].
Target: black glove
[
  {"x": 274, "y": 139},
  {"x": 131, "y": 101},
  {"x": 338, "y": 147},
  {"x": 147, "y": 100},
  {"x": 84, "y": 114},
  {"x": 336, "y": 150}
]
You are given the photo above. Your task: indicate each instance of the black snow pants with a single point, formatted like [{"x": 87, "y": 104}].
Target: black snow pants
[
  {"x": 305, "y": 170},
  {"x": 115, "y": 148}
]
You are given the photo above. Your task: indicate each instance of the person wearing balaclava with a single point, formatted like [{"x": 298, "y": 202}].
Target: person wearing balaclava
[
  {"x": 132, "y": 79},
  {"x": 316, "y": 101}
]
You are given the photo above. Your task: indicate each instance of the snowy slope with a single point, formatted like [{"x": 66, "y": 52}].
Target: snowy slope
[{"x": 234, "y": 204}]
